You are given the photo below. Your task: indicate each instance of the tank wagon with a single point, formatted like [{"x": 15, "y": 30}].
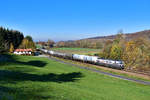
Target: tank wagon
[{"x": 89, "y": 59}]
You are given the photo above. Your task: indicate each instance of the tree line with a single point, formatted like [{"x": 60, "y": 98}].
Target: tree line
[
  {"x": 13, "y": 39},
  {"x": 45, "y": 44},
  {"x": 8, "y": 38},
  {"x": 86, "y": 43},
  {"x": 135, "y": 53}
]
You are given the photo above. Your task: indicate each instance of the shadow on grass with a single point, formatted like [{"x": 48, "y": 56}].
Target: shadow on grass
[
  {"x": 35, "y": 63},
  {"x": 20, "y": 93},
  {"x": 5, "y": 89},
  {"x": 4, "y": 93},
  {"x": 32, "y": 94},
  {"x": 13, "y": 76},
  {"x": 7, "y": 93},
  {"x": 5, "y": 58}
]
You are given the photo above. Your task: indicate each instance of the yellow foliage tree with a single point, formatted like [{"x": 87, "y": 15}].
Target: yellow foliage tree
[
  {"x": 116, "y": 52},
  {"x": 131, "y": 53},
  {"x": 26, "y": 44},
  {"x": 11, "y": 50},
  {"x": 143, "y": 44}
]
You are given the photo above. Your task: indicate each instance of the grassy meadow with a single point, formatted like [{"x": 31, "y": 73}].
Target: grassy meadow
[
  {"x": 85, "y": 51},
  {"x": 34, "y": 78}
]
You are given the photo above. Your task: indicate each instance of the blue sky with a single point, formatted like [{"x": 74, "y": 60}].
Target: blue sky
[{"x": 74, "y": 19}]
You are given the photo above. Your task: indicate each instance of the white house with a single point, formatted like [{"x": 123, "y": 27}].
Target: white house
[{"x": 23, "y": 52}]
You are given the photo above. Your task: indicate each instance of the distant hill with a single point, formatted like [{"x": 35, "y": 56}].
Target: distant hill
[
  {"x": 128, "y": 36},
  {"x": 98, "y": 42}
]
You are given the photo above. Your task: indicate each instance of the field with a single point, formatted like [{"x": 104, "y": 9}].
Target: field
[
  {"x": 85, "y": 51},
  {"x": 34, "y": 78}
]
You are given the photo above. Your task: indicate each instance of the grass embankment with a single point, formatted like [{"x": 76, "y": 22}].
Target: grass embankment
[
  {"x": 85, "y": 51},
  {"x": 88, "y": 51},
  {"x": 33, "y": 78},
  {"x": 109, "y": 70}
]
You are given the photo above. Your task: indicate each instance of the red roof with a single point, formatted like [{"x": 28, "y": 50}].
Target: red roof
[{"x": 23, "y": 50}]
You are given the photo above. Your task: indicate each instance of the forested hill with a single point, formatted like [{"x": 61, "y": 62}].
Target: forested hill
[
  {"x": 98, "y": 42},
  {"x": 128, "y": 36}
]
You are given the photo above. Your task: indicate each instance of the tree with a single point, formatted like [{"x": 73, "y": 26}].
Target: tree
[
  {"x": 50, "y": 43},
  {"x": 26, "y": 44},
  {"x": 1, "y": 47},
  {"x": 11, "y": 48},
  {"x": 131, "y": 54},
  {"x": 119, "y": 38},
  {"x": 116, "y": 52},
  {"x": 7, "y": 37},
  {"x": 106, "y": 49},
  {"x": 29, "y": 38},
  {"x": 143, "y": 44}
]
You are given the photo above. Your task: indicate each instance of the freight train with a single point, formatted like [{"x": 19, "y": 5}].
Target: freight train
[{"x": 116, "y": 64}]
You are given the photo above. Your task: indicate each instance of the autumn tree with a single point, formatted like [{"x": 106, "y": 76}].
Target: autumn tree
[
  {"x": 131, "y": 54},
  {"x": 60, "y": 44},
  {"x": 116, "y": 52},
  {"x": 105, "y": 53},
  {"x": 50, "y": 43},
  {"x": 11, "y": 48},
  {"x": 137, "y": 54},
  {"x": 143, "y": 44},
  {"x": 114, "y": 49},
  {"x": 26, "y": 44}
]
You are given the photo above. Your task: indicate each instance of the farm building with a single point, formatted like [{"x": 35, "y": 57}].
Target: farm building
[{"x": 23, "y": 51}]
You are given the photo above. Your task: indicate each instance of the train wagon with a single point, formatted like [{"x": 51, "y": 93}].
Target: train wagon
[{"x": 89, "y": 59}]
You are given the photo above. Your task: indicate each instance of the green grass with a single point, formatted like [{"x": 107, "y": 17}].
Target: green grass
[
  {"x": 38, "y": 46},
  {"x": 33, "y": 78},
  {"x": 85, "y": 51},
  {"x": 102, "y": 69}
]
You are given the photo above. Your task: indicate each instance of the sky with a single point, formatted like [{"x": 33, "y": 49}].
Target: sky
[{"x": 74, "y": 19}]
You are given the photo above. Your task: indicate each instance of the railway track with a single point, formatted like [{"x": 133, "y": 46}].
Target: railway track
[{"x": 102, "y": 72}]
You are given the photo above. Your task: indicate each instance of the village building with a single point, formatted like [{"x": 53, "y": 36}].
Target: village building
[{"x": 23, "y": 52}]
